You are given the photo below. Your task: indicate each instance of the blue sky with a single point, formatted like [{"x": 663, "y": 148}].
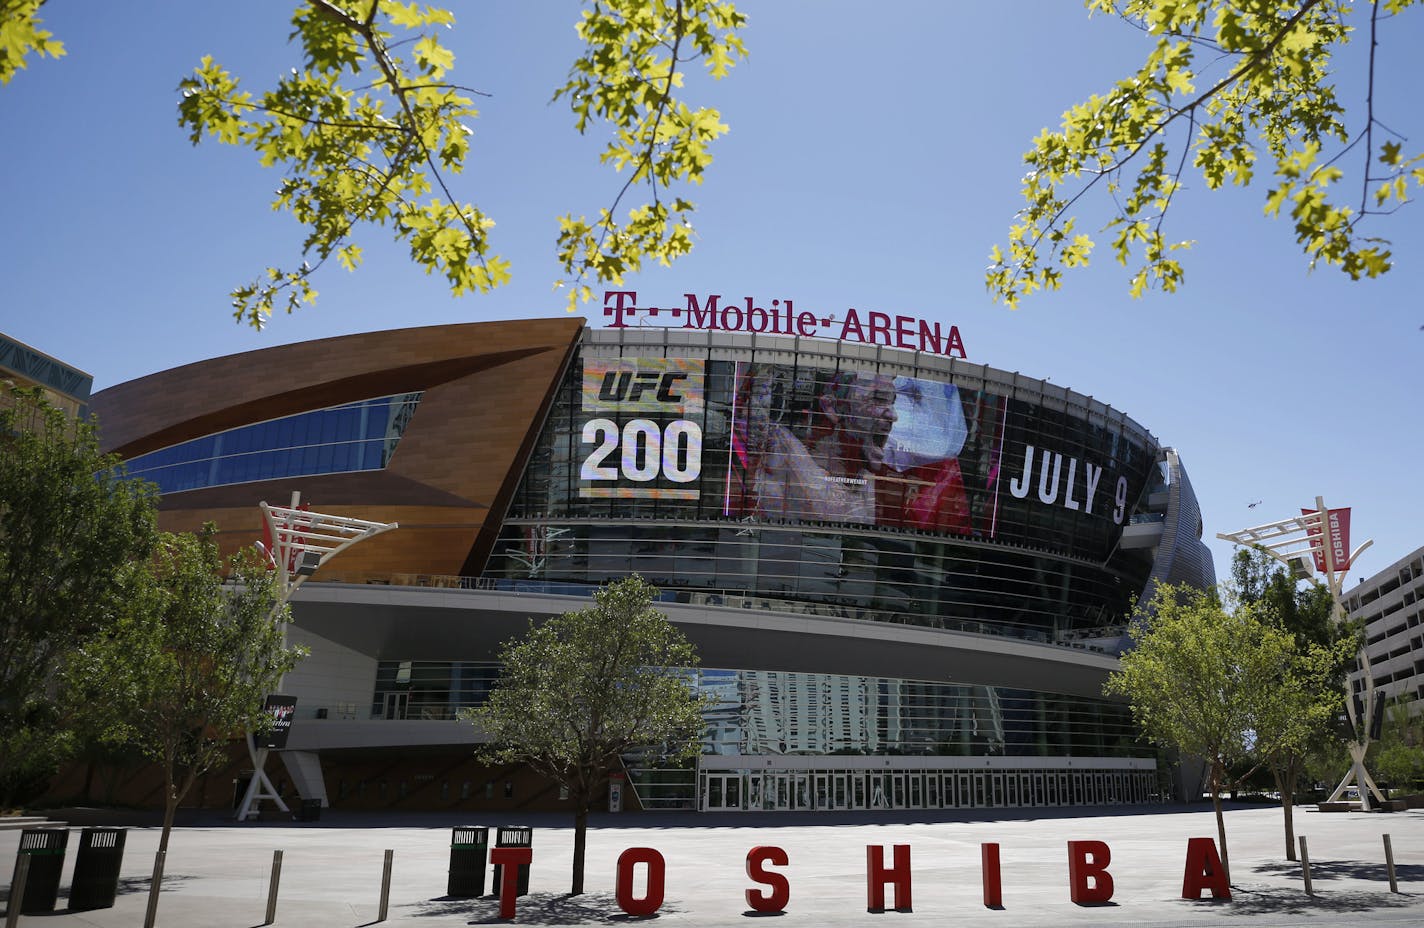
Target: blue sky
[{"x": 873, "y": 160}]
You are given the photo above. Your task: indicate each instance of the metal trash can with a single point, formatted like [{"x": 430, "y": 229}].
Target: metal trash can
[
  {"x": 45, "y": 849},
  {"x": 96, "y": 868},
  {"x": 309, "y": 811},
  {"x": 513, "y": 836},
  {"x": 469, "y": 847}
]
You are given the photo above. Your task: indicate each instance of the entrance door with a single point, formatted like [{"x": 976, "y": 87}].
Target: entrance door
[
  {"x": 755, "y": 796},
  {"x": 801, "y": 791},
  {"x": 722, "y": 792},
  {"x": 878, "y": 784},
  {"x": 778, "y": 791},
  {"x": 857, "y": 790},
  {"x": 897, "y": 782},
  {"x": 396, "y": 705}
]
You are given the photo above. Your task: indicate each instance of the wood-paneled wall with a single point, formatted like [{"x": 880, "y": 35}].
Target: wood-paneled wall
[{"x": 486, "y": 388}]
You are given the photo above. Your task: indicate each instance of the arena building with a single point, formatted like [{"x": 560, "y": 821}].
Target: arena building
[{"x": 907, "y": 575}]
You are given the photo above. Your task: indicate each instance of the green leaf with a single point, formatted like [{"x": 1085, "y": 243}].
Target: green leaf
[
  {"x": 1271, "y": 100},
  {"x": 21, "y": 36}
]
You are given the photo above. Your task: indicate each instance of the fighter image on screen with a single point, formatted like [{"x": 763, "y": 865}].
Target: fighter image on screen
[
  {"x": 831, "y": 478},
  {"x": 859, "y": 447},
  {"x": 924, "y": 487}
]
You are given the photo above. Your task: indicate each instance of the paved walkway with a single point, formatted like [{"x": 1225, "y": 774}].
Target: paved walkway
[{"x": 217, "y": 872}]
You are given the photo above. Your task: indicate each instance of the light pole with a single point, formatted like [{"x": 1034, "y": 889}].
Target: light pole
[
  {"x": 1321, "y": 536},
  {"x": 299, "y": 541}
]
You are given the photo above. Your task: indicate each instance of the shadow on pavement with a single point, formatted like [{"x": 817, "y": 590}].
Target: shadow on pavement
[
  {"x": 1294, "y": 901},
  {"x": 1375, "y": 872},
  {"x": 140, "y": 884},
  {"x": 536, "y": 909}
]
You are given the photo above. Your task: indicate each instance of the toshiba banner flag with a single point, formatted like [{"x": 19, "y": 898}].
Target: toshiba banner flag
[{"x": 1337, "y": 536}]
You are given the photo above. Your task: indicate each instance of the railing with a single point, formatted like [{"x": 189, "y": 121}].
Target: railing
[
  {"x": 407, "y": 710},
  {"x": 736, "y": 599}
]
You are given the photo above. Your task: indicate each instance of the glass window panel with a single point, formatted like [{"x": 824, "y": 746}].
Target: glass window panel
[{"x": 271, "y": 449}]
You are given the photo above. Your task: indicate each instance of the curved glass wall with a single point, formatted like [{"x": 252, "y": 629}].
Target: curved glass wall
[
  {"x": 776, "y": 713},
  {"x": 913, "y": 580},
  {"x": 352, "y": 437},
  {"x": 771, "y": 713},
  {"x": 884, "y": 492},
  {"x": 807, "y": 741}
]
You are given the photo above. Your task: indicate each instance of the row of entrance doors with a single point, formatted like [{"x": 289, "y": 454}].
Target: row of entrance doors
[{"x": 791, "y": 790}]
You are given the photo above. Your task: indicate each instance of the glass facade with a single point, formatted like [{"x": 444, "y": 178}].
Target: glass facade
[
  {"x": 814, "y": 722},
  {"x": 778, "y": 713},
  {"x": 430, "y": 690},
  {"x": 352, "y": 437},
  {"x": 818, "y": 485},
  {"x": 757, "y": 712},
  {"x": 756, "y": 480},
  {"x": 856, "y": 487}
]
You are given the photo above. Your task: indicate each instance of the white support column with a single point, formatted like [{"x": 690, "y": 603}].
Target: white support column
[
  {"x": 1308, "y": 536},
  {"x": 300, "y": 542},
  {"x": 304, "y": 767}
]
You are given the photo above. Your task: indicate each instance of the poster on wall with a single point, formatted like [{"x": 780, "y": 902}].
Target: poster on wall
[
  {"x": 863, "y": 448},
  {"x": 641, "y": 435}
]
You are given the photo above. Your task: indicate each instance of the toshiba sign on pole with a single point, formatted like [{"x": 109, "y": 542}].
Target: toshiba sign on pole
[{"x": 1337, "y": 537}]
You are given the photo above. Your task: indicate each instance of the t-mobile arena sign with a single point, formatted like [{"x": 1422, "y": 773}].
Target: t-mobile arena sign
[{"x": 783, "y": 318}]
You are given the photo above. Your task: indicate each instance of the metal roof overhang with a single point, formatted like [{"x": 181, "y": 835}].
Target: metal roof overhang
[{"x": 415, "y": 623}]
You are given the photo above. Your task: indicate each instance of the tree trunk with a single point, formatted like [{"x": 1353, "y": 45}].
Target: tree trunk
[
  {"x": 173, "y": 797},
  {"x": 580, "y": 837},
  {"x": 1220, "y": 821},
  {"x": 170, "y": 809},
  {"x": 1285, "y": 784}
]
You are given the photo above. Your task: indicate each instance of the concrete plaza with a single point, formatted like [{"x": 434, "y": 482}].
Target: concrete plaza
[{"x": 217, "y": 872}]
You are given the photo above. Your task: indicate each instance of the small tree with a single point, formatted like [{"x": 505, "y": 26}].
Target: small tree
[
  {"x": 1324, "y": 651},
  {"x": 1298, "y": 717},
  {"x": 583, "y": 689},
  {"x": 188, "y": 666},
  {"x": 69, "y": 525},
  {"x": 1208, "y": 682}
]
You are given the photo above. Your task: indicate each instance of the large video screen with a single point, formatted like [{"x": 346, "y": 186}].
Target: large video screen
[
  {"x": 690, "y": 438},
  {"x": 864, "y": 448}
]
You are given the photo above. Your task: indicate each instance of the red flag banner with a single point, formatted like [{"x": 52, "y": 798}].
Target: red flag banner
[{"x": 1337, "y": 535}]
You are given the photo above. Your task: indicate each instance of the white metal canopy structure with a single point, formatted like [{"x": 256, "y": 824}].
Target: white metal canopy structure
[
  {"x": 299, "y": 542},
  {"x": 1306, "y": 538}
]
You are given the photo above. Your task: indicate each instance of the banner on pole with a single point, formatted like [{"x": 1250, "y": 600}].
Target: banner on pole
[
  {"x": 281, "y": 709},
  {"x": 1336, "y": 535}
]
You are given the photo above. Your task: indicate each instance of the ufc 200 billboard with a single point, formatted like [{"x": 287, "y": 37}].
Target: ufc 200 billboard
[{"x": 642, "y": 428}]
